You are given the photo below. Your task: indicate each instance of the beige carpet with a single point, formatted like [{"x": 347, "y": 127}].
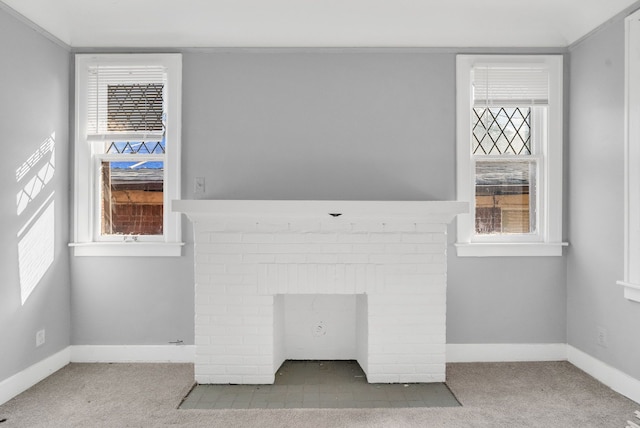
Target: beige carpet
[{"x": 549, "y": 394}]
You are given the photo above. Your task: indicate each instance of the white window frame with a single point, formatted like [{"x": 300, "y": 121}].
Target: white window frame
[
  {"x": 547, "y": 241},
  {"x": 86, "y": 180},
  {"x": 631, "y": 281}
]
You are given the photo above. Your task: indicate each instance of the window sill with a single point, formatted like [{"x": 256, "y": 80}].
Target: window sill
[
  {"x": 631, "y": 291},
  {"x": 510, "y": 249},
  {"x": 127, "y": 249}
]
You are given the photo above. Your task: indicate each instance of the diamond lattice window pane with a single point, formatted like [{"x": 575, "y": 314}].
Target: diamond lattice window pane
[
  {"x": 501, "y": 131},
  {"x": 133, "y": 148},
  {"x": 135, "y": 107}
]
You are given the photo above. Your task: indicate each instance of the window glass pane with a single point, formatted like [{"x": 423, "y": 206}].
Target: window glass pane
[
  {"x": 125, "y": 98},
  {"x": 505, "y": 197},
  {"x": 135, "y": 107},
  {"x": 133, "y": 148},
  {"x": 501, "y": 131},
  {"x": 132, "y": 198}
]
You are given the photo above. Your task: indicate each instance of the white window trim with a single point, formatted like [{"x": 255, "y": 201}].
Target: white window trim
[
  {"x": 549, "y": 240},
  {"x": 631, "y": 281},
  {"x": 85, "y": 185}
]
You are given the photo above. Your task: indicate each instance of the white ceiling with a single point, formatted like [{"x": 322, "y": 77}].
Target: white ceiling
[{"x": 319, "y": 23}]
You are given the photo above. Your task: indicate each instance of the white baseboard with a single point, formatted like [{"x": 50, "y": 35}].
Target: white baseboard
[
  {"x": 456, "y": 353},
  {"x": 615, "y": 379},
  {"x": 25, "y": 379},
  {"x": 28, "y": 377},
  {"x": 505, "y": 352},
  {"x": 133, "y": 354}
]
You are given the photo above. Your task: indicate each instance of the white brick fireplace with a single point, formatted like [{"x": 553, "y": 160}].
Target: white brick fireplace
[{"x": 279, "y": 280}]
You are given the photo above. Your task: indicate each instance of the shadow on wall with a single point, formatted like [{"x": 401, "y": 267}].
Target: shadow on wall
[{"x": 36, "y": 205}]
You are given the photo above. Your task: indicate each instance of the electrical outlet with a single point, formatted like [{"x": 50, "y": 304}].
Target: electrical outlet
[
  {"x": 198, "y": 186},
  {"x": 602, "y": 339},
  {"x": 40, "y": 338}
]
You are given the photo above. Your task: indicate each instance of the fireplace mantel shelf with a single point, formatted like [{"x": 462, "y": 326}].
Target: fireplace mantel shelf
[{"x": 340, "y": 210}]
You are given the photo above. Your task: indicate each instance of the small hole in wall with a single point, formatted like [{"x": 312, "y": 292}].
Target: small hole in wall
[{"x": 319, "y": 329}]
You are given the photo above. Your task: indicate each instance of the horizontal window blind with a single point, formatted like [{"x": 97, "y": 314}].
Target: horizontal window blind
[
  {"x": 125, "y": 99},
  {"x": 510, "y": 85}
]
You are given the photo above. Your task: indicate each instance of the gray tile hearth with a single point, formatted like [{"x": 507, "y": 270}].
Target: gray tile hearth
[{"x": 319, "y": 384}]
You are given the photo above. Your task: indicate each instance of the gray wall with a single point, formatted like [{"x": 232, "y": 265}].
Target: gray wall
[
  {"x": 34, "y": 88},
  {"x": 506, "y": 300},
  {"x": 320, "y": 125},
  {"x": 596, "y": 204},
  {"x": 132, "y": 301},
  {"x": 317, "y": 125},
  {"x": 295, "y": 124}
]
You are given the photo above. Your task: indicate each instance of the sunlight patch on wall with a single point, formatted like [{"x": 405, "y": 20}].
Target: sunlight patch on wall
[
  {"x": 36, "y": 238},
  {"x": 36, "y": 250},
  {"x": 34, "y": 186}
]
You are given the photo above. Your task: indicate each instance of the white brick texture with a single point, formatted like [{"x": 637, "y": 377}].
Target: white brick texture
[{"x": 241, "y": 265}]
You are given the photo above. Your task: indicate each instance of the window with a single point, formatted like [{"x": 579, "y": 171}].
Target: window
[
  {"x": 631, "y": 281},
  {"x": 509, "y": 154},
  {"x": 127, "y": 153}
]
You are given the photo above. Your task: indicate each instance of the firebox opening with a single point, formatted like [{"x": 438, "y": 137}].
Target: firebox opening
[{"x": 321, "y": 327}]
